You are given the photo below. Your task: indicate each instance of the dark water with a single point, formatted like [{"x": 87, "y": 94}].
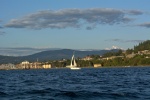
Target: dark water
[{"x": 84, "y": 84}]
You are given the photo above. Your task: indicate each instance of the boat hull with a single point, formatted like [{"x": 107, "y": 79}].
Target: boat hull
[{"x": 75, "y": 68}]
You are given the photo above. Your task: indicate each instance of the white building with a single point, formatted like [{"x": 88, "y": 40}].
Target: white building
[{"x": 45, "y": 66}]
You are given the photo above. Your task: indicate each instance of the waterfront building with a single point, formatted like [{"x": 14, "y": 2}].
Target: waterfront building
[
  {"x": 7, "y": 66},
  {"x": 46, "y": 66},
  {"x": 97, "y": 65}
]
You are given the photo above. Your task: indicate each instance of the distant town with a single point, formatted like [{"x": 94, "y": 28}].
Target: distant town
[{"x": 139, "y": 56}]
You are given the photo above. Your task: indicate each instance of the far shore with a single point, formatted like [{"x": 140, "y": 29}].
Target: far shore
[{"x": 82, "y": 67}]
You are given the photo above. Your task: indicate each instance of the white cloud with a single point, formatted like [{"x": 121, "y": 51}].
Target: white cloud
[{"x": 72, "y": 18}]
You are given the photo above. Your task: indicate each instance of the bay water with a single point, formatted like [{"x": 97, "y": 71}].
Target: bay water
[{"x": 131, "y": 83}]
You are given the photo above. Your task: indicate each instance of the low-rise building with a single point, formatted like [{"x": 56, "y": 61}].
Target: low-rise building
[
  {"x": 112, "y": 57},
  {"x": 97, "y": 65},
  {"x": 46, "y": 66},
  {"x": 130, "y": 55},
  {"x": 7, "y": 66},
  {"x": 28, "y": 65},
  {"x": 33, "y": 65},
  {"x": 87, "y": 58},
  {"x": 144, "y": 52}
]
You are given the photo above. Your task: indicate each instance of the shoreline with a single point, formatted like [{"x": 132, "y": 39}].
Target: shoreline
[{"x": 83, "y": 67}]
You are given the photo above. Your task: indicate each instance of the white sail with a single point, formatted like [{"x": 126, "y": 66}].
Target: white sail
[
  {"x": 72, "y": 61},
  {"x": 73, "y": 64}
]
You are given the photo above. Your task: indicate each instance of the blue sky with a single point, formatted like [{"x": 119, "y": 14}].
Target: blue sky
[{"x": 74, "y": 24}]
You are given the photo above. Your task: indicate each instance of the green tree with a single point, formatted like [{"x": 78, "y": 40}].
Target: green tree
[{"x": 129, "y": 51}]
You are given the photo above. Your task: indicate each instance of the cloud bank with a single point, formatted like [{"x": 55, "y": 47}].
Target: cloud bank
[
  {"x": 147, "y": 25},
  {"x": 75, "y": 18},
  {"x": 125, "y": 41}
]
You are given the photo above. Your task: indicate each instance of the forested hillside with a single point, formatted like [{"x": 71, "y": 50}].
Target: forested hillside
[{"x": 142, "y": 46}]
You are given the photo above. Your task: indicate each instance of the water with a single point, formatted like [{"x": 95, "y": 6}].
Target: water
[{"x": 85, "y": 84}]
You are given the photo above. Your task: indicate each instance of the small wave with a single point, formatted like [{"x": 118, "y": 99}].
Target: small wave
[
  {"x": 37, "y": 92},
  {"x": 94, "y": 95},
  {"x": 44, "y": 91},
  {"x": 131, "y": 96},
  {"x": 3, "y": 94},
  {"x": 78, "y": 94},
  {"x": 66, "y": 94}
]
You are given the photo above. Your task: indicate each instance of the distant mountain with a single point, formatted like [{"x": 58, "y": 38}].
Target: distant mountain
[
  {"x": 53, "y": 55},
  {"x": 22, "y": 51},
  {"x": 7, "y": 59}
]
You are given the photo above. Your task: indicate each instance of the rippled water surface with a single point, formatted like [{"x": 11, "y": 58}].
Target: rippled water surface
[{"x": 85, "y": 84}]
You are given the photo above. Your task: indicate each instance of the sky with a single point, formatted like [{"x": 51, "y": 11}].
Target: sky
[{"x": 73, "y": 24}]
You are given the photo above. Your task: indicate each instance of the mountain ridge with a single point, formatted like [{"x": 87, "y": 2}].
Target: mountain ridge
[{"x": 53, "y": 55}]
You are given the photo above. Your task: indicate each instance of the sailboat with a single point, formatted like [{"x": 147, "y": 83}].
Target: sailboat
[{"x": 73, "y": 64}]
